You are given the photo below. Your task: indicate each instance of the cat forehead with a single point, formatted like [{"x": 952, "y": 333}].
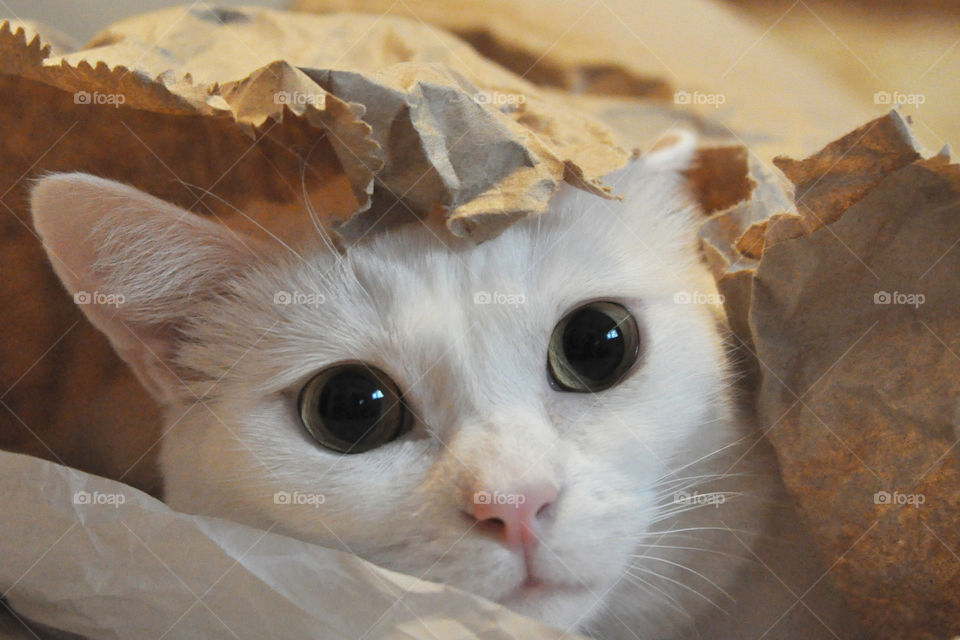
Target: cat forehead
[
  {"x": 583, "y": 247},
  {"x": 410, "y": 288},
  {"x": 411, "y": 277}
]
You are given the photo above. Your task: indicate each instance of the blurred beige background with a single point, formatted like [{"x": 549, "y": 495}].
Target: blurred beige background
[{"x": 909, "y": 50}]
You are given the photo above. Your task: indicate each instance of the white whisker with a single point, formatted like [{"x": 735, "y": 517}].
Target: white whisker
[
  {"x": 693, "y": 571},
  {"x": 682, "y": 586},
  {"x": 652, "y": 547},
  {"x": 671, "y": 601},
  {"x": 312, "y": 212}
]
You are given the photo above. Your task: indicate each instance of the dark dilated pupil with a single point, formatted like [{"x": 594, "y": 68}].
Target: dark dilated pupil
[
  {"x": 593, "y": 344},
  {"x": 350, "y": 405}
]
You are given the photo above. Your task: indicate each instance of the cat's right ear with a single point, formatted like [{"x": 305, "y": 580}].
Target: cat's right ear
[
  {"x": 673, "y": 152},
  {"x": 136, "y": 266},
  {"x": 667, "y": 159}
]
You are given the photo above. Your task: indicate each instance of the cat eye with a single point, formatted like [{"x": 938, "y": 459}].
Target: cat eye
[
  {"x": 352, "y": 408},
  {"x": 592, "y": 347}
]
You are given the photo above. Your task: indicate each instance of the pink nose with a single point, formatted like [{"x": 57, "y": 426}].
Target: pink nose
[{"x": 514, "y": 515}]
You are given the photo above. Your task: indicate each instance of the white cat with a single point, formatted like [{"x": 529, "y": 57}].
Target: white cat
[{"x": 538, "y": 419}]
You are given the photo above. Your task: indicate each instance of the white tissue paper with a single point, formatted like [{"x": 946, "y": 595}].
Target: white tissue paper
[{"x": 101, "y": 559}]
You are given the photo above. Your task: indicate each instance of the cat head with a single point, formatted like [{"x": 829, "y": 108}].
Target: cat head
[{"x": 499, "y": 417}]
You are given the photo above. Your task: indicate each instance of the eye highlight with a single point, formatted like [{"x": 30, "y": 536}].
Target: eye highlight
[
  {"x": 352, "y": 408},
  {"x": 592, "y": 347}
]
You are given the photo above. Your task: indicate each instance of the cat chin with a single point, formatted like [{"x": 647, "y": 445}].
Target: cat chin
[{"x": 564, "y": 607}]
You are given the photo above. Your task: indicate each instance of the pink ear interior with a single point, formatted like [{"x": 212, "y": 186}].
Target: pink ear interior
[
  {"x": 673, "y": 152},
  {"x": 64, "y": 212},
  {"x": 131, "y": 261}
]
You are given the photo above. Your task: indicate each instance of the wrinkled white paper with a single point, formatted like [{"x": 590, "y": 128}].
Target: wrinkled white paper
[{"x": 99, "y": 558}]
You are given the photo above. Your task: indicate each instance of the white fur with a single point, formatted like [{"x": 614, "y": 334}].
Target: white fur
[{"x": 473, "y": 374}]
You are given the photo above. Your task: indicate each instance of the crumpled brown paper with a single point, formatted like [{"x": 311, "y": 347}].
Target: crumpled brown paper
[
  {"x": 397, "y": 99},
  {"x": 98, "y": 558},
  {"x": 849, "y": 307}
]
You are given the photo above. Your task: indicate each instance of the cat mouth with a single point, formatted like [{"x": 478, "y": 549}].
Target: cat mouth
[{"x": 535, "y": 589}]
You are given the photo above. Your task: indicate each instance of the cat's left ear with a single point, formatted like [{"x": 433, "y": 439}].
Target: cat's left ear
[{"x": 136, "y": 266}]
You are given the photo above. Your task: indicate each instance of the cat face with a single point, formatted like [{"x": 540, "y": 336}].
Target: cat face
[{"x": 489, "y": 475}]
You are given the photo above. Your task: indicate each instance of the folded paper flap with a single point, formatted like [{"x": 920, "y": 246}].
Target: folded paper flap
[
  {"x": 439, "y": 126},
  {"x": 89, "y": 547},
  {"x": 830, "y": 181}
]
